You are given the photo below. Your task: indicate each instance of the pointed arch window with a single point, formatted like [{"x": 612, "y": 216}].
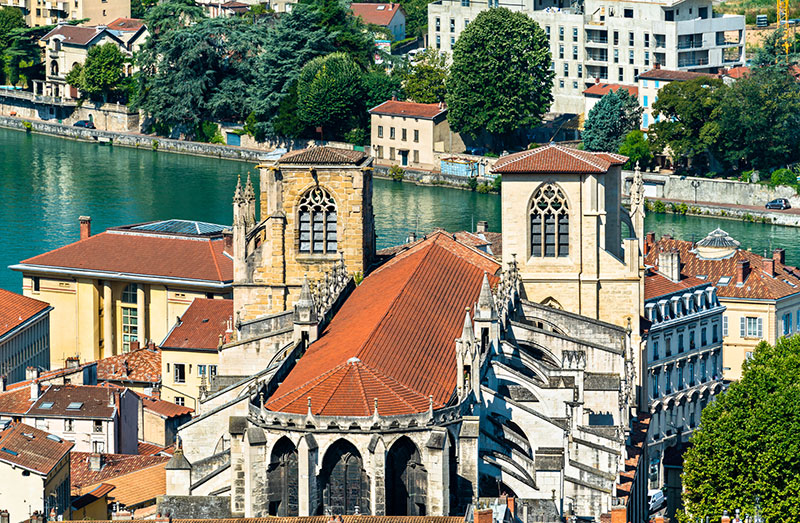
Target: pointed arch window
[
  {"x": 549, "y": 217},
  {"x": 317, "y": 219}
]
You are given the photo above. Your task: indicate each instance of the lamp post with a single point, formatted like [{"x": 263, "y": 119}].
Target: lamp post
[{"x": 695, "y": 184}]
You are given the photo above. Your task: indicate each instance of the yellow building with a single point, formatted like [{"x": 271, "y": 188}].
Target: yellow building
[
  {"x": 190, "y": 352},
  {"x": 761, "y": 295},
  {"x": 42, "y": 12},
  {"x": 126, "y": 284}
]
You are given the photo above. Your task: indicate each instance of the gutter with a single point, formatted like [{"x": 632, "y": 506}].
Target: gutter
[
  {"x": 122, "y": 276},
  {"x": 25, "y": 324}
]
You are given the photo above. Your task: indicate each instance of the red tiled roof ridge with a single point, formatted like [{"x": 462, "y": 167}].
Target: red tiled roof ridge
[
  {"x": 599, "y": 162},
  {"x": 81, "y": 240},
  {"x": 16, "y": 309}
]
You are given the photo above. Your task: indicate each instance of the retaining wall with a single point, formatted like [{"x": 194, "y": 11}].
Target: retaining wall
[{"x": 106, "y": 117}]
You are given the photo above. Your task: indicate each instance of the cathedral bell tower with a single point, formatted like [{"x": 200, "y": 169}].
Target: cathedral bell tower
[{"x": 316, "y": 211}]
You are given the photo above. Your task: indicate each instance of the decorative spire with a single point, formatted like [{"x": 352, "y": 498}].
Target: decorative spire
[
  {"x": 305, "y": 310},
  {"x": 485, "y": 309},
  {"x": 249, "y": 193},
  {"x": 467, "y": 334},
  {"x": 238, "y": 196}
]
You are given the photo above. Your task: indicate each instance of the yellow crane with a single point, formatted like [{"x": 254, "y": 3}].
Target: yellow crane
[{"x": 783, "y": 26}]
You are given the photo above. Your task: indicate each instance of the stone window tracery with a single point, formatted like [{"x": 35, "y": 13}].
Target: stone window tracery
[
  {"x": 317, "y": 222},
  {"x": 549, "y": 227}
]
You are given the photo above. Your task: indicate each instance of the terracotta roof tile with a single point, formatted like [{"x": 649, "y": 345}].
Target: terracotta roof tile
[
  {"x": 149, "y": 449},
  {"x": 162, "y": 407},
  {"x": 126, "y": 24},
  {"x": 394, "y": 338},
  {"x": 31, "y": 448},
  {"x": 656, "y": 285},
  {"x": 114, "y": 465},
  {"x": 93, "y": 495},
  {"x": 409, "y": 109},
  {"x": 141, "y": 254},
  {"x": 17, "y": 401},
  {"x": 140, "y": 486},
  {"x": 95, "y": 402},
  {"x": 601, "y": 89},
  {"x": 375, "y": 13},
  {"x": 554, "y": 158},
  {"x": 76, "y": 35},
  {"x": 670, "y": 75},
  {"x": 141, "y": 365},
  {"x": 323, "y": 156},
  {"x": 201, "y": 325},
  {"x": 737, "y": 72},
  {"x": 16, "y": 309},
  {"x": 45, "y": 378}
]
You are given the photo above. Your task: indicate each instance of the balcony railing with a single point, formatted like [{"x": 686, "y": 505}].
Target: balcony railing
[
  {"x": 692, "y": 62},
  {"x": 596, "y": 39},
  {"x": 690, "y": 45},
  {"x": 723, "y": 41}
]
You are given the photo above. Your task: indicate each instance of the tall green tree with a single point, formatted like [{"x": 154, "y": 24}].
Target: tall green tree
[
  {"x": 416, "y": 17},
  {"x": 10, "y": 18},
  {"x": 330, "y": 94},
  {"x": 771, "y": 53},
  {"x": 686, "y": 126},
  {"x": 615, "y": 115},
  {"x": 102, "y": 72},
  {"x": 348, "y": 31},
  {"x": 381, "y": 86},
  {"x": 500, "y": 80},
  {"x": 636, "y": 147},
  {"x": 426, "y": 79},
  {"x": 747, "y": 447}
]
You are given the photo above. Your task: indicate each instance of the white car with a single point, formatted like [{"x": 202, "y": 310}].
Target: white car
[
  {"x": 656, "y": 500},
  {"x": 412, "y": 54}
]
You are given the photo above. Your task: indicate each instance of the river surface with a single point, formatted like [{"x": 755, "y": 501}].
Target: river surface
[{"x": 46, "y": 183}]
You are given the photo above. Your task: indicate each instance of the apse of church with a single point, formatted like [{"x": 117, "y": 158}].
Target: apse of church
[{"x": 316, "y": 211}]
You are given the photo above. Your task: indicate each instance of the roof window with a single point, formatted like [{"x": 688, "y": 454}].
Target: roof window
[
  {"x": 9, "y": 451},
  {"x": 53, "y": 437},
  {"x": 75, "y": 405},
  {"x": 47, "y": 405},
  {"x": 725, "y": 280}
]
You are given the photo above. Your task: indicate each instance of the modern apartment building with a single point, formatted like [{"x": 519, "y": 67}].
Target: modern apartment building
[
  {"x": 610, "y": 41},
  {"x": 47, "y": 12}
]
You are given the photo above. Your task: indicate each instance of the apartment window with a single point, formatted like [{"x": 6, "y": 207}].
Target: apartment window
[
  {"x": 201, "y": 370},
  {"x": 98, "y": 426},
  {"x": 787, "y": 324},
  {"x": 416, "y": 135},
  {"x": 438, "y": 23},
  {"x": 628, "y": 13},
  {"x": 574, "y": 52},
  {"x": 547, "y": 30},
  {"x": 549, "y": 224},
  {"x": 681, "y": 379},
  {"x": 574, "y": 85},
  {"x": 702, "y": 12},
  {"x": 647, "y": 58},
  {"x": 180, "y": 373},
  {"x": 380, "y": 131},
  {"x": 438, "y": 41},
  {"x": 669, "y": 15},
  {"x": 715, "y": 333},
  {"x": 797, "y": 328},
  {"x": 452, "y": 41},
  {"x": 631, "y": 40},
  {"x": 129, "y": 293},
  {"x": 580, "y": 70},
  {"x": 403, "y": 134},
  {"x": 616, "y": 58},
  {"x": 380, "y": 152},
  {"x": 691, "y": 340},
  {"x": 703, "y": 338},
  {"x": 561, "y": 33},
  {"x": 464, "y": 3},
  {"x": 680, "y": 343},
  {"x": 566, "y": 69},
  {"x": 621, "y": 74},
  {"x": 391, "y": 153},
  {"x": 750, "y": 327},
  {"x": 724, "y": 326},
  {"x": 574, "y": 34},
  {"x": 561, "y": 83},
  {"x": 647, "y": 39},
  {"x": 630, "y": 58},
  {"x": 69, "y": 425},
  {"x": 104, "y": 12},
  {"x": 416, "y": 156},
  {"x": 36, "y": 282},
  {"x": 644, "y": 101},
  {"x": 212, "y": 370},
  {"x": 655, "y": 350},
  {"x": 130, "y": 327},
  {"x": 561, "y": 51},
  {"x": 98, "y": 447},
  {"x": 654, "y": 379},
  {"x": 703, "y": 375},
  {"x": 616, "y": 37},
  {"x": 668, "y": 382},
  {"x": 748, "y": 355},
  {"x": 391, "y": 133},
  {"x": 180, "y": 400},
  {"x": 466, "y": 22},
  {"x": 691, "y": 374},
  {"x": 38, "y": 12},
  {"x": 452, "y": 25}
]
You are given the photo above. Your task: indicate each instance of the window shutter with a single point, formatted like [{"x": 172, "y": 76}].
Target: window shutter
[
  {"x": 760, "y": 330},
  {"x": 742, "y": 327}
]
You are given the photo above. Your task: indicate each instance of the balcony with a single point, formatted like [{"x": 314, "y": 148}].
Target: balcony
[{"x": 597, "y": 57}]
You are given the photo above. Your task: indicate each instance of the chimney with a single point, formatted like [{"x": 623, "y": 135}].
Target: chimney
[
  {"x": 227, "y": 237},
  {"x": 3, "y": 380},
  {"x": 394, "y": 97},
  {"x": 483, "y": 516},
  {"x": 669, "y": 265},
  {"x": 166, "y": 518},
  {"x": 134, "y": 346},
  {"x": 95, "y": 462},
  {"x": 649, "y": 241},
  {"x": 31, "y": 373},
  {"x": 412, "y": 237},
  {"x": 4, "y": 517},
  {"x": 779, "y": 255},
  {"x": 52, "y": 514},
  {"x": 34, "y": 391},
  {"x": 768, "y": 264},
  {"x": 483, "y": 226},
  {"x": 657, "y": 66},
  {"x": 86, "y": 226},
  {"x": 742, "y": 271},
  {"x": 121, "y": 515},
  {"x": 73, "y": 362}
]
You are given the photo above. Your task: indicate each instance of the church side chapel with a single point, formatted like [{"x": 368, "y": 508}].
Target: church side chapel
[{"x": 423, "y": 382}]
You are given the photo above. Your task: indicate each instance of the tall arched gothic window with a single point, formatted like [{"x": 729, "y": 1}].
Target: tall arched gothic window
[
  {"x": 317, "y": 218},
  {"x": 549, "y": 222}
]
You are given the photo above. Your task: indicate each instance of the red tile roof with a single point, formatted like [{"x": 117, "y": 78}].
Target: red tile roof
[
  {"x": 47, "y": 377},
  {"x": 140, "y": 254},
  {"x": 16, "y": 309},
  {"x": 670, "y": 75},
  {"x": 201, "y": 325},
  {"x": 149, "y": 449},
  {"x": 126, "y": 24},
  {"x": 656, "y": 285},
  {"x": 323, "y": 156},
  {"x": 377, "y": 14},
  {"x": 737, "y": 72},
  {"x": 554, "y": 158},
  {"x": 77, "y": 35},
  {"x": 600, "y": 89},
  {"x": 394, "y": 338},
  {"x": 17, "y": 401},
  {"x": 758, "y": 284},
  {"x": 162, "y": 407},
  {"x": 409, "y": 109},
  {"x": 141, "y": 365},
  {"x": 114, "y": 465},
  {"x": 137, "y": 487},
  {"x": 33, "y": 449},
  {"x": 96, "y": 402},
  {"x": 93, "y": 495}
]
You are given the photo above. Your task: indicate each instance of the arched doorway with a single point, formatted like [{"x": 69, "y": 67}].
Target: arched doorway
[
  {"x": 406, "y": 480},
  {"x": 282, "y": 479},
  {"x": 343, "y": 482}
]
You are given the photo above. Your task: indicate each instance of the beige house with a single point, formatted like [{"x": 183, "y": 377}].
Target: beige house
[
  {"x": 761, "y": 295},
  {"x": 650, "y": 82},
  {"x": 126, "y": 284},
  {"x": 410, "y": 134},
  {"x": 35, "y": 467},
  {"x": 190, "y": 352},
  {"x": 42, "y": 12}
]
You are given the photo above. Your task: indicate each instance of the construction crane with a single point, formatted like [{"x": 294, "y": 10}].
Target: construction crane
[{"x": 783, "y": 27}]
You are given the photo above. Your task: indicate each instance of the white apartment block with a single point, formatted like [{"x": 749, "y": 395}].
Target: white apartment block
[{"x": 613, "y": 41}]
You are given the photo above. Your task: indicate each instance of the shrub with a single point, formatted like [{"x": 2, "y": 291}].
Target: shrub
[
  {"x": 497, "y": 183},
  {"x": 679, "y": 208},
  {"x": 397, "y": 173},
  {"x": 782, "y": 177},
  {"x": 154, "y": 145},
  {"x": 28, "y": 126},
  {"x": 484, "y": 188},
  {"x": 357, "y": 136},
  {"x": 659, "y": 207},
  {"x": 472, "y": 183}
]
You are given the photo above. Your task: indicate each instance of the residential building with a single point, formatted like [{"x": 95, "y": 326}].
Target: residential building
[
  {"x": 593, "y": 94},
  {"x": 650, "y": 82},
  {"x": 96, "y": 419},
  {"x": 159, "y": 421},
  {"x": 224, "y": 9},
  {"x": 24, "y": 336},
  {"x": 389, "y": 15},
  {"x": 35, "y": 467},
  {"x": 190, "y": 352},
  {"x": 761, "y": 294},
  {"x": 610, "y": 41},
  {"x": 93, "y": 505},
  {"x": 126, "y": 284},
  {"x": 410, "y": 134},
  {"x": 39, "y": 12},
  {"x": 73, "y": 373},
  {"x": 683, "y": 352},
  {"x": 138, "y": 370}
]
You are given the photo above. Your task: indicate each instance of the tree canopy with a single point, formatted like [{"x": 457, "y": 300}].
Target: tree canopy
[
  {"x": 615, "y": 115},
  {"x": 425, "y": 80},
  {"x": 747, "y": 446},
  {"x": 102, "y": 72},
  {"x": 636, "y": 147},
  {"x": 500, "y": 80},
  {"x": 10, "y": 18}
]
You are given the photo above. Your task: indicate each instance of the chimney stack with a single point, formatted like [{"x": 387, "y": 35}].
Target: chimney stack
[
  {"x": 649, "y": 241},
  {"x": 31, "y": 373},
  {"x": 669, "y": 265},
  {"x": 742, "y": 271},
  {"x": 95, "y": 462},
  {"x": 482, "y": 226},
  {"x": 4, "y": 517},
  {"x": 34, "y": 391},
  {"x": 412, "y": 237},
  {"x": 779, "y": 255},
  {"x": 121, "y": 515},
  {"x": 768, "y": 264},
  {"x": 483, "y": 515},
  {"x": 227, "y": 237},
  {"x": 86, "y": 226},
  {"x": 73, "y": 362}
]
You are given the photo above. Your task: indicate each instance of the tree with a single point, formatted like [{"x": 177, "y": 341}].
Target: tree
[
  {"x": 380, "y": 87},
  {"x": 685, "y": 125},
  {"x": 425, "y": 81},
  {"x": 747, "y": 445},
  {"x": 416, "y": 17},
  {"x": 348, "y": 31},
  {"x": 771, "y": 52},
  {"x": 330, "y": 93},
  {"x": 74, "y": 77},
  {"x": 102, "y": 71},
  {"x": 171, "y": 15},
  {"x": 610, "y": 120},
  {"x": 636, "y": 147},
  {"x": 500, "y": 80},
  {"x": 10, "y": 18}
]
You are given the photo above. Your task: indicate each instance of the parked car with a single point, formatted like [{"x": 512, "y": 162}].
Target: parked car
[
  {"x": 656, "y": 500},
  {"x": 779, "y": 203},
  {"x": 87, "y": 124}
]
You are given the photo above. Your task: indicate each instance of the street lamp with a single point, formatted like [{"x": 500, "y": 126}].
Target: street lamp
[{"x": 695, "y": 184}]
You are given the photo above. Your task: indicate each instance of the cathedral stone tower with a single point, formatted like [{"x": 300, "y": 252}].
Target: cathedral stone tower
[{"x": 316, "y": 211}]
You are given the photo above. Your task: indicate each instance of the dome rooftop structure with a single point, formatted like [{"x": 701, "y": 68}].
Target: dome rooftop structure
[{"x": 717, "y": 245}]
